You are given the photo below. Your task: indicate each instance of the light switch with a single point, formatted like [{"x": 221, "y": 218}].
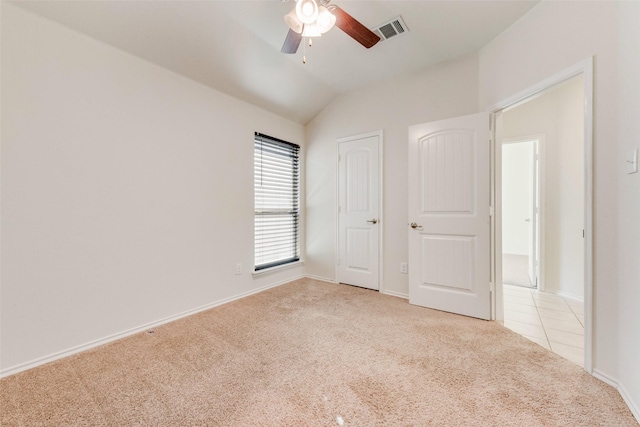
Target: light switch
[{"x": 632, "y": 162}]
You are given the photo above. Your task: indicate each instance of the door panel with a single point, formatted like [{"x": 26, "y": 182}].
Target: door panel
[
  {"x": 358, "y": 219},
  {"x": 449, "y": 208},
  {"x": 358, "y": 244},
  {"x": 446, "y": 163},
  {"x": 447, "y": 262}
]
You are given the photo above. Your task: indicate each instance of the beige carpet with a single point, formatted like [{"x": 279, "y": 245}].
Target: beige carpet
[
  {"x": 315, "y": 354},
  {"x": 515, "y": 270}
]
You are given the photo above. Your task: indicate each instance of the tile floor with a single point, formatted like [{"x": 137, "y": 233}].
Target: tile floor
[{"x": 552, "y": 321}]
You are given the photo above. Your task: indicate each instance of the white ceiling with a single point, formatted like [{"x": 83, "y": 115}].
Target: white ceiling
[{"x": 234, "y": 46}]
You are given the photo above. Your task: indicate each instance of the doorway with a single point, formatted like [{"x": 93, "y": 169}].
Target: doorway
[
  {"x": 521, "y": 211},
  {"x": 544, "y": 218},
  {"x": 359, "y": 212}
]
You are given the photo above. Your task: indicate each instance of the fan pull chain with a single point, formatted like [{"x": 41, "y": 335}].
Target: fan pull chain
[{"x": 304, "y": 53}]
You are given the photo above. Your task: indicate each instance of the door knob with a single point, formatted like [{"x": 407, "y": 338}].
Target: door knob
[
  {"x": 527, "y": 220},
  {"x": 373, "y": 221},
  {"x": 415, "y": 226}
]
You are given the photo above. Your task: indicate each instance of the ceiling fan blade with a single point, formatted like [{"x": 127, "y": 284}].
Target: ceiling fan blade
[
  {"x": 353, "y": 28},
  {"x": 292, "y": 42}
]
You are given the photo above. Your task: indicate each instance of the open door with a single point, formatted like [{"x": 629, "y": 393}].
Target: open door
[{"x": 449, "y": 193}]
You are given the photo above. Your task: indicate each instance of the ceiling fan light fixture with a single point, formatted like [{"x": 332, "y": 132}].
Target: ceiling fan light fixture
[
  {"x": 311, "y": 30},
  {"x": 326, "y": 20},
  {"x": 293, "y": 22},
  {"x": 307, "y": 11}
]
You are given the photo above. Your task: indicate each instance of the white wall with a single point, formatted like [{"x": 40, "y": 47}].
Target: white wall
[
  {"x": 559, "y": 116},
  {"x": 127, "y": 191},
  {"x": 628, "y": 232},
  {"x": 517, "y": 189},
  {"x": 548, "y": 39},
  {"x": 446, "y": 91}
]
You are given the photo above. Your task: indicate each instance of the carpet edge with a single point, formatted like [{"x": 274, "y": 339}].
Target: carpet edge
[{"x": 12, "y": 370}]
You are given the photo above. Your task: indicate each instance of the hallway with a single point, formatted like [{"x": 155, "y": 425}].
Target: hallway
[{"x": 552, "y": 321}]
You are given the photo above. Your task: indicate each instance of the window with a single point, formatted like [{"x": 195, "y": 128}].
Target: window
[{"x": 276, "y": 178}]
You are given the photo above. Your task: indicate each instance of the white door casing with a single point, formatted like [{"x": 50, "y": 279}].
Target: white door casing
[
  {"x": 449, "y": 197},
  {"x": 533, "y": 215},
  {"x": 584, "y": 68},
  {"x": 359, "y": 211}
]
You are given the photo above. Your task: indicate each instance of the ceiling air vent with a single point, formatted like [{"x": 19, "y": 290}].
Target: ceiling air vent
[{"x": 390, "y": 29}]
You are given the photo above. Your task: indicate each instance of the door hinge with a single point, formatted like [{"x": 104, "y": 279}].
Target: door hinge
[
  {"x": 491, "y": 210},
  {"x": 492, "y": 287},
  {"x": 339, "y": 157}
]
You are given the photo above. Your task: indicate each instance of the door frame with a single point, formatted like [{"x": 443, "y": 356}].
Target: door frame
[
  {"x": 379, "y": 134},
  {"x": 539, "y": 139},
  {"x": 584, "y": 68}
]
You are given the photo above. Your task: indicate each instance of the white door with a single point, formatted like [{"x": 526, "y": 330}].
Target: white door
[
  {"x": 449, "y": 190},
  {"x": 358, "y": 211}
]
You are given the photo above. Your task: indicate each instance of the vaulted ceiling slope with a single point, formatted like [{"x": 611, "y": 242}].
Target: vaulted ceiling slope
[{"x": 234, "y": 46}]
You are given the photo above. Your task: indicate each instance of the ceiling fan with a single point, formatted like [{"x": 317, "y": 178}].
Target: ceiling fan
[{"x": 311, "y": 18}]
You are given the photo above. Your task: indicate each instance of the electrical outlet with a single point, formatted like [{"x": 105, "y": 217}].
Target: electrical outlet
[
  {"x": 239, "y": 268},
  {"x": 404, "y": 268}
]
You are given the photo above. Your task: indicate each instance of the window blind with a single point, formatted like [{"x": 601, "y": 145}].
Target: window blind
[{"x": 276, "y": 190}]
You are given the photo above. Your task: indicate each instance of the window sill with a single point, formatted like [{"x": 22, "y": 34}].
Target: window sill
[{"x": 278, "y": 268}]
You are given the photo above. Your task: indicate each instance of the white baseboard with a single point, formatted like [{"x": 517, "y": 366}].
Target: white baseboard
[
  {"x": 322, "y": 279},
  {"x": 633, "y": 407},
  {"x": 605, "y": 378},
  {"x": 395, "y": 294},
  {"x": 564, "y": 294},
  {"x": 570, "y": 296},
  {"x": 83, "y": 347}
]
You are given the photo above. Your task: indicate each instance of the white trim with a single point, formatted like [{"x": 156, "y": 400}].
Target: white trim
[
  {"x": 565, "y": 295},
  {"x": 396, "y": 294},
  {"x": 635, "y": 410},
  {"x": 380, "y": 135},
  {"x": 585, "y": 68},
  {"x": 547, "y": 84},
  {"x": 626, "y": 396},
  {"x": 360, "y": 136},
  {"x": 588, "y": 213},
  {"x": 605, "y": 378},
  {"x": 321, "y": 279},
  {"x": 276, "y": 268},
  {"x": 92, "y": 344},
  {"x": 495, "y": 134}
]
